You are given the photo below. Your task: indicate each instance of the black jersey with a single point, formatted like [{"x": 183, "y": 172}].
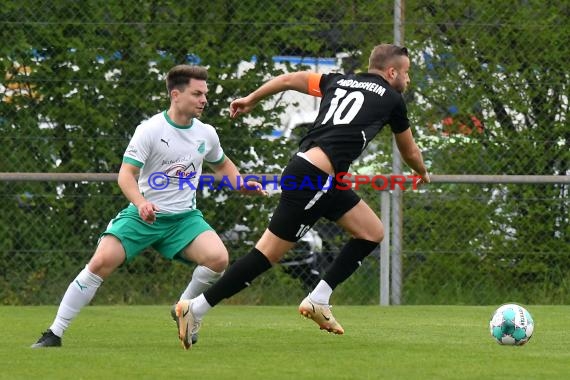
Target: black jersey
[{"x": 354, "y": 108}]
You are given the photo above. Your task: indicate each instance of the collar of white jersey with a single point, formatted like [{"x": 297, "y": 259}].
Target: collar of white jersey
[{"x": 171, "y": 122}]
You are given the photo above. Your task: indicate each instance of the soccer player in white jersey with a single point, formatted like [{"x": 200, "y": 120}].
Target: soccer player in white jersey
[{"x": 166, "y": 153}]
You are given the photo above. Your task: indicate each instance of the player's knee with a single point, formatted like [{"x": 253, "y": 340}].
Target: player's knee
[
  {"x": 103, "y": 266},
  {"x": 107, "y": 257},
  {"x": 378, "y": 236},
  {"x": 375, "y": 234},
  {"x": 217, "y": 261}
]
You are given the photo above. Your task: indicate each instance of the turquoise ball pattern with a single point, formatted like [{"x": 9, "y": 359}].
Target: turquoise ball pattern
[{"x": 512, "y": 325}]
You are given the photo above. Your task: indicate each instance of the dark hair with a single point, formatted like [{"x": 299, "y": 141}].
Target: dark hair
[
  {"x": 384, "y": 55},
  {"x": 179, "y": 76}
]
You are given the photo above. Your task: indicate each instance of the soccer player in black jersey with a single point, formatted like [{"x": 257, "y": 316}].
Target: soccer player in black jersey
[{"x": 353, "y": 109}]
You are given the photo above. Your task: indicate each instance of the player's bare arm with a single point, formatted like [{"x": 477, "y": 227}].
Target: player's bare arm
[
  {"x": 128, "y": 183},
  {"x": 298, "y": 81},
  {"x": 227, "y": 169},
  {"x": 411, "y": 154}
]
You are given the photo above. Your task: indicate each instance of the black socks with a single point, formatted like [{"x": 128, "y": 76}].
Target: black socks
[
  {"x": 238, "y": 276},
  {"x": 241, "y": 273},
  {"x": 348, "y": 261}
]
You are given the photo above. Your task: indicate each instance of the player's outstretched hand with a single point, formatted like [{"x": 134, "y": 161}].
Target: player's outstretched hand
[
  {"x": 241, "y": 105},
  {"x": 422, "y": 179},
  {"x": 253, "y": 188}
]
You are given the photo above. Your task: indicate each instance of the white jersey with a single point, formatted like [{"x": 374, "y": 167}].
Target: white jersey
[{"x": 170, "y": 157}]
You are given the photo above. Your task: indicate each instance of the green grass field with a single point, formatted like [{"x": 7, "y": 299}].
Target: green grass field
[{"x": 264, "y": 342}]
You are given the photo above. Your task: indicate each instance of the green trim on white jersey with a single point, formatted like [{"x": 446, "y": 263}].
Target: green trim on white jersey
[
  {"x": 172, "y": 157},
  {"x": 132, "y": 161},
  {"x": 217, "y": 162},
  {"x": 171, "y": 122}
]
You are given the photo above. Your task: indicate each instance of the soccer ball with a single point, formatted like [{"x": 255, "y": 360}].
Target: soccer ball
[{"x": 512, "y": 325}]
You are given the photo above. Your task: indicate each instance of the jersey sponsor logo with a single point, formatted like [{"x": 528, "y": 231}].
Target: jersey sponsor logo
[
  {"x": 165, "y": 141},
  {"x": 177, "y": 161},
  {"x": 181, "y": 171}
]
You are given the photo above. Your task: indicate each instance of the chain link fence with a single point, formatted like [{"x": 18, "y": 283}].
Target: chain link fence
[{"x": 489, "y": 95}]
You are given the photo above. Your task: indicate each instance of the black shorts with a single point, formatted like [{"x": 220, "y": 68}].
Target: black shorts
[{"x": 308, "y": 194}]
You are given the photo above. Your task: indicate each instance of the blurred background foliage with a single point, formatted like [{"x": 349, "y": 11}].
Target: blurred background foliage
[{"x": 489, "y": 95}]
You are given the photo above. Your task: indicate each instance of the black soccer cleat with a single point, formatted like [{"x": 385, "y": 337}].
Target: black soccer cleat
[
  {"x": 173, "y": 315},
  {"x": 48, "y": 339}
]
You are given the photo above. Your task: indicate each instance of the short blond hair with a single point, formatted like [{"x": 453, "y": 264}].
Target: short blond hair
[{"x": 386, "y": 55}]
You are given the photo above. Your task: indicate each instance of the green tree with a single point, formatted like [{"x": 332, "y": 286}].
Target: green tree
[
  {"x": 491, "y": 97},
  {"x": 80, "y": 76}
]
